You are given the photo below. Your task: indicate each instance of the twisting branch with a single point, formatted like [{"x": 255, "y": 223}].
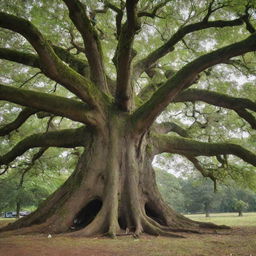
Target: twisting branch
[
  {"x": 144, "y": 116},
  {"x": 77, "y": 14},
  {"x": 239, "y": 105},
  {"x": 153, "y": 13},
  {"x": 50, "y": 64},
  {"x": 153, "y": 57},
  {"x": 74, "y": 110},
  {"x": 44, "y": 140},
  {"x": 29, "y": 79},
  {"x": 124, "y": 54},
  {"x": 32, "y": 60},
  {"x": 200, "y": 168},
  {"x": 21, "y": 119},
  {"x": 5, "y": 170},
  {"x": 74, "y": 44},
  {"x": 28, "y": 59},
  {"x": 246, "y": 19},
  {"x": 77, "y": 64},
  {"x": 184, "y": 146},
  {"x": 211, "y": 9},
  {"x": 166, "y": 127},
  {"x": 146, "y": 92},
  {"x": 31, "y": 164},
  {"x": 119, "y": 17},
  {"x": 246, "y": 115}
]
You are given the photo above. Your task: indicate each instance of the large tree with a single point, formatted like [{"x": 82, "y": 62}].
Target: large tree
[{"x": 122, "y": 65}]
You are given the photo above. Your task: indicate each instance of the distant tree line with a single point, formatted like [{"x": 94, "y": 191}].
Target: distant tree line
[{"x": 196, "y": 195}]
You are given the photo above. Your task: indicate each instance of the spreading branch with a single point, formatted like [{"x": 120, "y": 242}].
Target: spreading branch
[
  {"x": 74, "y": 110},
  {"x": 21, "y": 119},
  {"x": 50, "y": 139},
  {"x": 246, "y": 19},
  {"x": 28, "y": 59},
  {"x": 184, "y": 146},
  {"x": 32, "y": 60},
  {"x": 153, "y": 13},
  {"x": 50, "y": 64},
  {"x": 202, "y": 170},
  {"x": 93, "y": 51},
  {"x": 77, "y": 64},
  {"x": 167, "y": 47},
  {"x": 119, "y": 17},
  {"x": 144, "y": 116},
  {"x": 166, "y": 127},
  {"x": 35, "y": 157},
  {"x": 239, "y": 105},
  {"x": 124, "y": 54}
]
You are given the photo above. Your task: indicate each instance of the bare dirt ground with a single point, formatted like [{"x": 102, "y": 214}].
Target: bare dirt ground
[{"x": 239, "y": 241}]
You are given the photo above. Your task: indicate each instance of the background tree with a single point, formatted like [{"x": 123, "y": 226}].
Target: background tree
[
  {"x": 191, "y": 194},
  {"x": 171, "y": 189},
  {"x": 25, "y": 186},
  {"x": 120, "y": 100},
  {"x": 200, "y": 196},
  {"x": 240, "y": 206}
]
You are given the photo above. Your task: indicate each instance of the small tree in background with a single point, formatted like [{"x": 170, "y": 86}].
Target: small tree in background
[{"x": 240, "y": 206}]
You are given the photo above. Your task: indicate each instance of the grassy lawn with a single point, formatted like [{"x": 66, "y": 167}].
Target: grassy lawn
[
  {"x": 238, "y": 241},
  {"x": 5, "y": 221},
  {"x": 229, "y": 219}
]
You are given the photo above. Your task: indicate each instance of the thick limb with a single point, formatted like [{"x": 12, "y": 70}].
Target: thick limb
[
  {"x": 166, "y": 127},
  {"x": 50, "y": 139},
  {"x": 153, "y": 57},
  {"x": 50, "y": 64},
  {"x": 184, "y": 146},
  {"x": 239, "y": 105},
  {"x": 28, "y": 59},
  {"x": 21, "y": 119},
  {"x": 123, "y": 56},
  {"x": 93, "y": 50},
  {"x": 32, "y": 60},
  {"x": 144, "y": 116},
  {"x": 57, "y": 105}
]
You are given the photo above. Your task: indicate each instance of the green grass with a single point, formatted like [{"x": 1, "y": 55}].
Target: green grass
[
  {"x": 5, "y": 221},
  {"x": 229, "y": 219},
  {"x": 238, "y": 241}
]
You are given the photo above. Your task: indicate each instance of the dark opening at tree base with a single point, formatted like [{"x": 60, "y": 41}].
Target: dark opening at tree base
[
  {"x": 122, "y": 223},
  {"x": 87, "y": 214},
  {"x": 151, "y": 213}
]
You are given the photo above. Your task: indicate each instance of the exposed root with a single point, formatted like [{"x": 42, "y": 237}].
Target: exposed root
[
  {"x": 170, "y": 229},
  {"x": 157, "y": 231},
  {"x": 210, "y": 225}
]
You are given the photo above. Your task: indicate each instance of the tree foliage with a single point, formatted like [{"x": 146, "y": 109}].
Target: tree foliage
[{"x": 194, "y": 194}]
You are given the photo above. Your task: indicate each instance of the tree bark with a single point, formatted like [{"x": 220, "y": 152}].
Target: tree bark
[
  {"x": 112, "y": 191},
  {"x": 18, "y": 210}
]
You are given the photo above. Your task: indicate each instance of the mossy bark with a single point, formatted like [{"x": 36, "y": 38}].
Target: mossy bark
[{"x": 112, "y": 191}]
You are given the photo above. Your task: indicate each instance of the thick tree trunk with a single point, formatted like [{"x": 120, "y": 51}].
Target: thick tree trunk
[
  {"x": 18, "y": 210},
  {"x": 112, "y": 191},
  {"x": 207, "y": 209}
]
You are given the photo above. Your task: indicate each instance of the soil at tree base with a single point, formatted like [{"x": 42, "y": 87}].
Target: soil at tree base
[{"x": 239, "y": 241}]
